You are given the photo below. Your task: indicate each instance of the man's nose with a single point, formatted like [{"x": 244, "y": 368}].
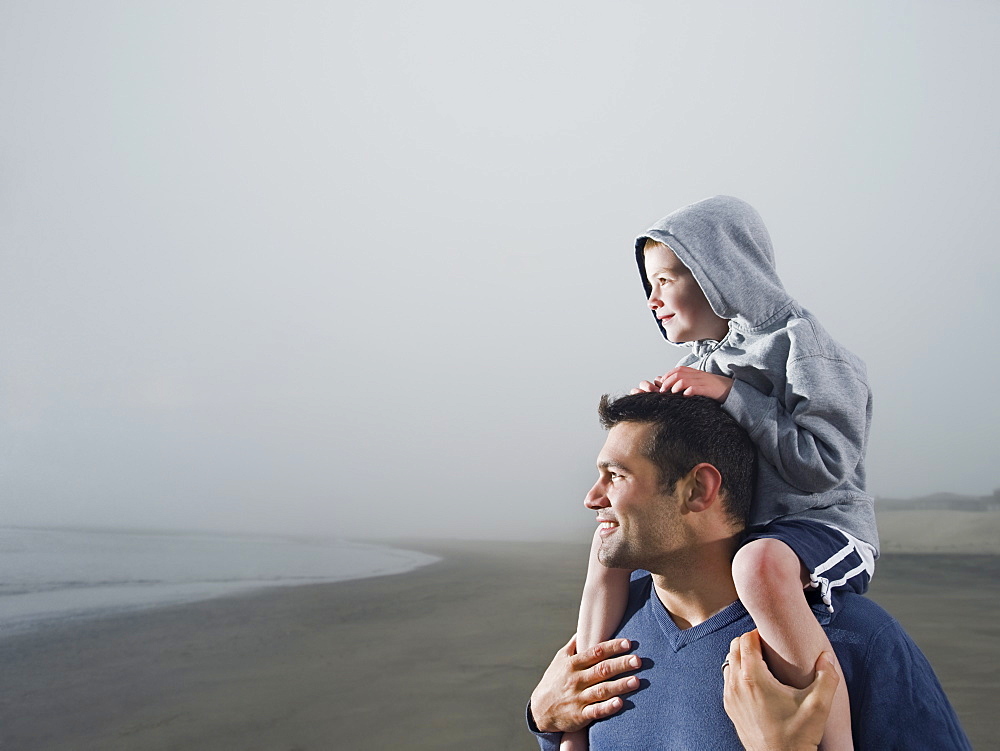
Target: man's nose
[{"x": 596, "y": 498}]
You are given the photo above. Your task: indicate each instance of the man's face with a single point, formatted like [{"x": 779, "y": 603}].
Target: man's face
[
  {"x": 680, "y": 306},
  {"x": 640, "y": 520}
]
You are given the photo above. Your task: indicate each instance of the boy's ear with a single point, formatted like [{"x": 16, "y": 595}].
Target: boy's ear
[{"x": 702, "y": 486}]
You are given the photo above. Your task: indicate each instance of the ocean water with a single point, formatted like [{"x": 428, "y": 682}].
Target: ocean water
[{"x": 49, "y": 575}]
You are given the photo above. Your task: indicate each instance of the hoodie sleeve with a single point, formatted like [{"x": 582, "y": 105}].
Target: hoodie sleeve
[{"x": 816, "y": 435}]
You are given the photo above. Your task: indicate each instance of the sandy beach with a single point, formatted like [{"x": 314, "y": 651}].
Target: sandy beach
[{"x": 443, "y": 657}]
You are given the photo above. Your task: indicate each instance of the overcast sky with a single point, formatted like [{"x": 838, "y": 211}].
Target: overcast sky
[{"x": 364, "y": 268}]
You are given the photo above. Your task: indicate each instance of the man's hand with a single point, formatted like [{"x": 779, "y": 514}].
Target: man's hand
[
  {"x": 768, "y": 714},
  {"x": 575, "y": 689}
]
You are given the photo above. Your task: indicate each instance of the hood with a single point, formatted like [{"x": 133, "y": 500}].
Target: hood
[{"x": 724, "y": 242}]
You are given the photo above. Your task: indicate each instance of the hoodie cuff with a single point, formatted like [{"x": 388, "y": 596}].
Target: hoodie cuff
[
  {"x": 746, "y": 405},
  {"x": 546, "y": 741}
]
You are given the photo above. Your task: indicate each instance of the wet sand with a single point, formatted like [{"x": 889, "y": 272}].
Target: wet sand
[{"x": 443, "y": 657}]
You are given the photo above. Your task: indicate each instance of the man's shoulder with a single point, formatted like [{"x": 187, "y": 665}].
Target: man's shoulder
[
  {"x": 855, "y": 609},
  {"x": 639, "y": 586},
  {"x": 858, "y": 621},
  {"x": 891, "y": 684},
  {"x": 639, "y": 576}
]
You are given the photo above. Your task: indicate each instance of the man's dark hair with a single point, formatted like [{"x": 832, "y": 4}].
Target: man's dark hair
[{"x": 689, "y": 430}]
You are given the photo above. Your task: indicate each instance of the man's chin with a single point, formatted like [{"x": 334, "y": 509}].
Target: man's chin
[{"x": 615, "y": 559}]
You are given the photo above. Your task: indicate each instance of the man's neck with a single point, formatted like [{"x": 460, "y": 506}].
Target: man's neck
[{"x": 694, "y": 590}]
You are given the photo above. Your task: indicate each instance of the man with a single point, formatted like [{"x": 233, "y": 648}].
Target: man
[{"x": 672, "y": 496}]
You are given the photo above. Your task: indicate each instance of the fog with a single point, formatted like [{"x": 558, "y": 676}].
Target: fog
[{"x": 364, "y": 269}]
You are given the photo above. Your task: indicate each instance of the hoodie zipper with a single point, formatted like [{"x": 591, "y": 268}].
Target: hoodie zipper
[{"x": 703, "y": 363}]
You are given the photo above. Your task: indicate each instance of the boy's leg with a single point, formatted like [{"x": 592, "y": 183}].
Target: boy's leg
[
  {"x": 575, "y": 741},
  {"x": 769, "y": 579},
  {"x": 605, "y": 596}
]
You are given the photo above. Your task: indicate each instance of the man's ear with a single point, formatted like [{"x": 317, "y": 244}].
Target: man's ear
[{"x": 703, "y": 485}]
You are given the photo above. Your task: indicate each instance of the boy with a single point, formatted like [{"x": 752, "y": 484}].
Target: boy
[{"x": 708, "y": 271}]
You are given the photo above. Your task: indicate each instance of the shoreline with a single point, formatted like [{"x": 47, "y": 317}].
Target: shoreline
[
  {"x": 84, "y": 585},
  {"x": 441, "y": 657}
]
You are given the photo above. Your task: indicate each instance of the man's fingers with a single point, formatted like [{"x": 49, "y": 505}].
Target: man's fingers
[
  {"x": 602, "y": 693},
  {"x": 600, "y": 652},
  {"x": 824, "y": 686},
  {"x": 734, "y": 660},
  {"x": 602, "y": 709},
  {"x": 750, "y": 659},
  {"x": 826, "y": 660},
  {"x": 604, "y": 671},
  {"x": 750, "y": 646}
]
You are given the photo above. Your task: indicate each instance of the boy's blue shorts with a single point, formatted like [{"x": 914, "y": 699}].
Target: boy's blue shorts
[{"x": 834, "y": 559}]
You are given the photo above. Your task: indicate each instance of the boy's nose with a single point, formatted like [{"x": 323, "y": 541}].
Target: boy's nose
[{"x": 654, "y": 302}]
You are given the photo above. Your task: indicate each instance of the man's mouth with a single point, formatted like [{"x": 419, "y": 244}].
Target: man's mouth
[{"x": 606, "y": 527}]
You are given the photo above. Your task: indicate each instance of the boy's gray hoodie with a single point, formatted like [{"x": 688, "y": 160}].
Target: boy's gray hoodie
[{"x": 802, "y": 397}]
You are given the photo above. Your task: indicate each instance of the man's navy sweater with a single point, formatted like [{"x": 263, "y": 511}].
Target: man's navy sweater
[{"x": 896, "y": 700}]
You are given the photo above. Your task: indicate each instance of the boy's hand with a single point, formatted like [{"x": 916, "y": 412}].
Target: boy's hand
[
  {"x": 691, "y": 382},
  {"x": 649, "y": 387}
]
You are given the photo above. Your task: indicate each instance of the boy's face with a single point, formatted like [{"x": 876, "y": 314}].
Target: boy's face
[{"x": 677, "y": 300}]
